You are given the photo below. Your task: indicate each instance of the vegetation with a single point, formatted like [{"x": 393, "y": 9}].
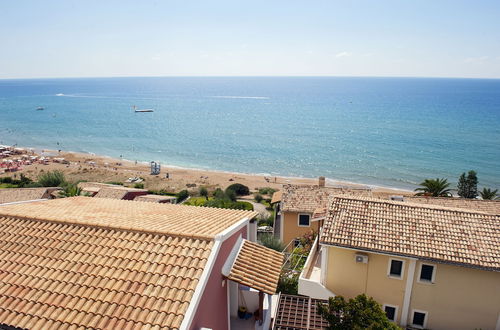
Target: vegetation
[
  {"x": 258, "y": 198},
  {"x": 467, "y": 185},
  {"x": 161, "y": 192},
  {"x": 288, "y": 283},
  {"x": 361, "y": 312},
  {"x": 434, "y": 187},
  {"x": 239, "y": 189},
  {"x": 182, "y": 195},
  {"x": 22, "y": 182},
  {"x": 228, "y": 204},
  {"x": 52, "y": 179},
  {"x": 487, "y": 193},
  {"x": 272, "y": 242},
  {"x": 116, "y": 183},
  {"x": 267, "y": 191},
  {"x": 204, "y": 192},
  {"x": 70, "y": 190},
  {"x": 139, "y": 185}
]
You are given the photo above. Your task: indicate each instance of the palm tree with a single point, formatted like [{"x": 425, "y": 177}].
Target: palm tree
[
  {"x": 70, "y": 190},
  {"x": 487, "y": 193},
  {"x": 435, "y": 188}
]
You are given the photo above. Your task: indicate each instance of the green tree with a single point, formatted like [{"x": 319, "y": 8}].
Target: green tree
[
  {"x": 219, "y": 194},
  {"x": 362, "y": 312},
  {"x": 204, "y": 192},
  {"x": 52, "y": 179},
  {"x": 239, "y": 189},
  {"x": 70, "y": 190},
  {"x": 467, "y": 185},
  {"x": 258, "y": 198},
  {"x": 434, "y": 187},
  {"x": 182, "y": 195},
  {"x": 487, "y": 193}
]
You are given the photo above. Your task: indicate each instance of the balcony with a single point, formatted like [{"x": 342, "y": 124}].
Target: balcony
[{"x": 311, "y": 279}]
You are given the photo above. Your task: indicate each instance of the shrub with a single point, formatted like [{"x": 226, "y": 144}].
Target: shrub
[
  {"x": 267, "y": 191},
  {"x": 230, "y": 195},
  {"x": 116, "y": 183},
  {"x": 258, "y": 198},
  {"x": 139, "y": 185},
  {"x": 161, "y": 192},
  {"x": 288, "y": 283},
  {"x": 272, "y": 242},
  {"x": 239, "y": 189},
  {"x": 219, "y": 194},
  {"x": 204, "y": 192},
  {"x": 6, "y": 179},
  {"x": 52, "y": 179},
  {"x": 182, "y": 195},
  {"x": 227, "y": 204}
]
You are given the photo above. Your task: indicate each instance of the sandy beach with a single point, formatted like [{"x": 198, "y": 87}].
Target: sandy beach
[{"x": 89, "y": 167}]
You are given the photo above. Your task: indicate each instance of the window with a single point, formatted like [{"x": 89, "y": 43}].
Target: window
[
  {"x": 391, "y": 312},
  {"x": 396, "y": 268},
  {"x": 427, "y": 273},
  {"x": 419, "y": 319},
  {"x": 304, "y": 220}
]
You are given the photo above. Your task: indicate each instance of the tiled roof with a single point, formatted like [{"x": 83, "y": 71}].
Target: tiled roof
[
  {"x": 62, "y": 276},
  {"x": 488, "y": 206},
  {"x": 9, "y": 195},
  {"x": 276, "y": 197},
  {"x": 153, "y": 198},
  {"x": 171, "y": 219},
  {"x": 308, "y": 198},
  {"x": 428, "y": 232},
  {"x": 298, "y": 312},
  {"x": 105, "y": 190},
  {"x": 257, "y": 267}
]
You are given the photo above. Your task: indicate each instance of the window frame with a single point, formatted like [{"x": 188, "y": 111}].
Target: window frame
[
  {"x": 426, "y": 317},
  {"x": 396, "y": 310},
  {"x": 400, "y": 277},
  {"x": 434, "y": 268},
  {"x": 298, "y": 220}
]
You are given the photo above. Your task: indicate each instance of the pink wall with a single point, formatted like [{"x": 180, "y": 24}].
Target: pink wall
[{"x": 212, "y": 310}]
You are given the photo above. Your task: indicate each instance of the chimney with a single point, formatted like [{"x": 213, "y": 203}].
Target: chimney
[{"x": 321, "y": 181}]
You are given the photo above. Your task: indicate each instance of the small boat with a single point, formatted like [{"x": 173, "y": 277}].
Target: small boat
[
  {"x": 142, "y": 110},
  {"x": 40, "y": 108}
]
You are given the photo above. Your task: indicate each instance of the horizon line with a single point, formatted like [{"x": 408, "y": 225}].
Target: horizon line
[{"x": 249, "y": 76}]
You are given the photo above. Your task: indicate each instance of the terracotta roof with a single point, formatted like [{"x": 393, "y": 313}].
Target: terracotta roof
[
  {"x": 153, "y": 198},
  {"x": 298, "y": 312},
  {"x": 488, "y": 206},
  {"x": 257, "y": 267},
  {"x": 455, "y": 236},
  {"x": 105, "y": 190},
  {"x": 276, "y": 197},
  {"x": 9, "y": 195},
  {"x": 171, "y": 219},
  {"x": 308, "y": 198},
  {"x": 60, "y": 276}
]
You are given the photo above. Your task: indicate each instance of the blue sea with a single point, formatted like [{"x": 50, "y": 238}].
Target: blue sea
[{"x": 391, "y": 132}]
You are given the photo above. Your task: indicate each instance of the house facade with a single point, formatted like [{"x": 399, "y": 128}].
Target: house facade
[
  {"x": 114, "y": 264},
  {"x": 300, "y": 209},
  {"x": 430, "y": 267}
]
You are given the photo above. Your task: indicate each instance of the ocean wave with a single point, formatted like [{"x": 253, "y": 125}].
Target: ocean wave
[{"x": 240, "y": 97}]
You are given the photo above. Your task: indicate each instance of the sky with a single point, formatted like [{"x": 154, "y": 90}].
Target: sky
[{"x": 109, "y": 38}]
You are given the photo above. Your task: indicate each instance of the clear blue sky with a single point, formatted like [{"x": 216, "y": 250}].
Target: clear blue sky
[{"x": 199, "y": 38}]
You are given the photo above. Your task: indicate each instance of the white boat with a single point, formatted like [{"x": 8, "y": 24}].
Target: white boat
[
  {"x": 142, "y": 110},
  {"x": 40, "y": 108}
]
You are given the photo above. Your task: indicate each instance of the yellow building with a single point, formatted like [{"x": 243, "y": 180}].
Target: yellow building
[
  {"x": 429, "y": 266},
  {"x": 300, "y": 208}
]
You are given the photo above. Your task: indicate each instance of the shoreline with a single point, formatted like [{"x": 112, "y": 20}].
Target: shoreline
[{"x": 94, "y": 167}]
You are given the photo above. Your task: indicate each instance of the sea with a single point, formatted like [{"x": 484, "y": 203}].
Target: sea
[{"x": 389, "y": 132}]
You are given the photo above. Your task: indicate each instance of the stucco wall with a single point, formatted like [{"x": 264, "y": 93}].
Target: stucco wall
[
  {"x": 291, "y": 228},
  {"x": 212, "y": 311},
  {"x": 349, "y": 278},
  {"x": 459, "y": 298}
]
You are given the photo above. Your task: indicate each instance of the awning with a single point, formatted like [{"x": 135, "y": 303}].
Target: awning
[
  {"x": 276, "y": 197},
  {"x": 255, "y": 266}
]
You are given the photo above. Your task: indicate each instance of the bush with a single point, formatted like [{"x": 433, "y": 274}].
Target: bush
[
  {"x": 272, "y": 242},
  {"x": 161, "y": 192},
  {"x": 182, "y": 195},
  {"x": 116, "y": 183},
  {"x": 204, "y": 192},
  {"x": 258, "y": 198},
  {"x": 219, "y": 194},
  {"x": 288, "y": 283},
  {"x": 6, "y": 179},
  {"x": 230, "y": 195},
  {"x": 139, "y": 185},
  {"x": 52, "y": 179},
  {"x": 227, "y": 204},
  {"x": 239, "y": 189},
  {"x": 267, "y": 191}
]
